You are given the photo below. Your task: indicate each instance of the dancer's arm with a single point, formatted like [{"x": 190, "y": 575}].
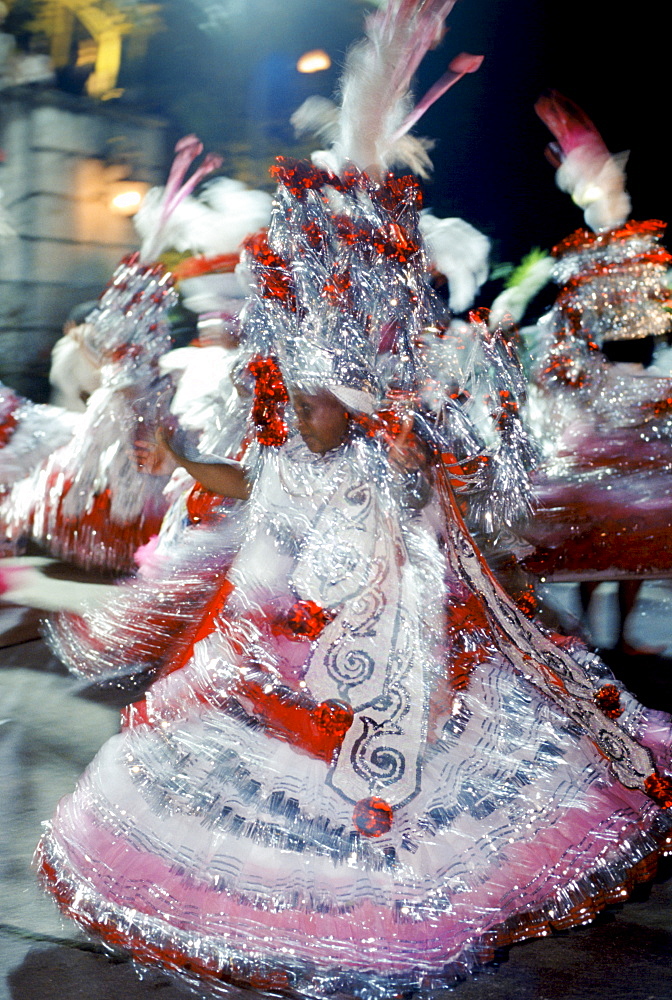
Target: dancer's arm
[
  {"x": 408, "y": 455},
  {"x": 227, "y": 479}
]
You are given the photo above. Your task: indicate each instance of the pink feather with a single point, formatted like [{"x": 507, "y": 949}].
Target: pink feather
[
  {"x": 459, "y": 66},
  {"x": 570, "y": 125},
  {"x": 177, "y": 188},
  {"x": 584, "y": 166},
  {"x": 146, "y": 559}
]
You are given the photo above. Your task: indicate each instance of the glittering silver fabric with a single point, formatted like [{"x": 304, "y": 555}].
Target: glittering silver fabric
[{"x": 614, "y": 282}]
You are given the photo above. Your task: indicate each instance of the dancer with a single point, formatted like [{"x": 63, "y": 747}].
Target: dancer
[
  {"x": 87, "y": 501},
  {"x": 600, "y": 410},
  {"x": 73, "y": 374},
  {"x": 362, "y": 769}
]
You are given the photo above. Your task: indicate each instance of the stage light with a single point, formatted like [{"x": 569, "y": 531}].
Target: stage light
[
  {"x": 313, "y": 61},
  {"x": 126, "y": 197}
]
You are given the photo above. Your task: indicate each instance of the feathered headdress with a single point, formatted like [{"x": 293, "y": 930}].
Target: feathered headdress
[
  {"x": 371, "y": 127},
  {"x": 162, "y": 216},
  {"x": 342, "y": 278},
  {"x": 128, "y": 325}
]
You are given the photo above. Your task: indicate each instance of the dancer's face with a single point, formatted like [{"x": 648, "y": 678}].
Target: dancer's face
[{"x": 321, "y": 419}]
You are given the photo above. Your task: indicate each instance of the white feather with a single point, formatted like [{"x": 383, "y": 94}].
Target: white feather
[
  {"x": 597, "y": 185},
  {"x": 375, "y": 95},
  {"x": 460, "y": 252},
  {"x": 72, "y": 374},
  {"x": 215, "y": 222},
  {"x": 317, "y": 116}
]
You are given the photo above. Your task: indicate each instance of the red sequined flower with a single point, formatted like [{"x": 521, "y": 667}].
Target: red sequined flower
[
  {"x": 608, "y": 699},
  {"x": 394, "y": 241},
  {"x": 337, "y": 288},
  {"x": 527, "y": 600},
  {"x": 304, "y": 620},
  {"x": 335, "y": 717},
  {"x": 372, "y": 817},
  {"x": 399, "y": 191},
  {"x": 386, "y": 422},
  {"x": 271, "y": 270},
  {"x": 298, "y": 176},
  {"x": 659, "y": 789},
  {"x": 350, "y": 233},
  {"x": 313, "y": 234},
  {"x": 508, "y": 408}
]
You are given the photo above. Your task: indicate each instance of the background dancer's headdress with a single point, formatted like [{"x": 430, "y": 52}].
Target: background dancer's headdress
[
  {"x": 204, "y": 233},
  {"x": 614, "y": 278},
  {"x": 129, "y": 324}
]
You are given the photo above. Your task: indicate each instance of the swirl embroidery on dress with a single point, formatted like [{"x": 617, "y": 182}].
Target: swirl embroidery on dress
[
  {"x": 359, "y": 495},
  {"x": 380, "y": 765},
  {"x": 349, "y": 670}
]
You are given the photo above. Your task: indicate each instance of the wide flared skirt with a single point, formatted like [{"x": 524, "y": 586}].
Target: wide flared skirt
[{"x": 204, "y": 844}]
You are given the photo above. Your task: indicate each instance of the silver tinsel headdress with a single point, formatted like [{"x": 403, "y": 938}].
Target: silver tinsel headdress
[
  {"x": 613, "y": 283},
  {"x": 342, "y": 281},
  {"x": 613, "y": 279}
]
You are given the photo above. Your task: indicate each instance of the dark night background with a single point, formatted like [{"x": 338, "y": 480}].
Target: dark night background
[
  {"x": 225, "y": 69},
  {"x": 235, "y": 84}
]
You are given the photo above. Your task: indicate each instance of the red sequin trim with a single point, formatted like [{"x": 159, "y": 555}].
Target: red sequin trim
[
  {"x": 201, "y": 503},
  {"x": 316, "y": 729},
  {"x": 7, "y": 428},
  {"x": 193, "y": 267},
  {"x": 299, "y": 176},
  {"x": 584, "y": 239},
  {"x": 147, "y": 952},
  {"x": 92, "y": 538},
  {"x": 270, "y": 399}
]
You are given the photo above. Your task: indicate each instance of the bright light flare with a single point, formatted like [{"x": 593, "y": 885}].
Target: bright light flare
[
  {"x": 313, "y": 61},
  {"x": 126, "y": 197},
  {"x": 127, "y": 201}
]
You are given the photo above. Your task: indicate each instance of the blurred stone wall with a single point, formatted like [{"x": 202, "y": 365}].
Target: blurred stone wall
[{"x": 61, "y": 156}]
